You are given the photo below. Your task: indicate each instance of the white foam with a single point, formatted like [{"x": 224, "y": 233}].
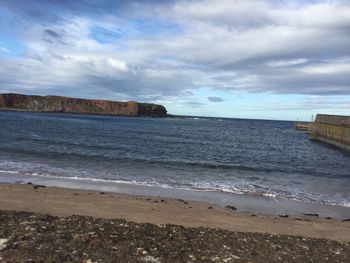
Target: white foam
[
  {"x": 269, "y": 195},
  {"x": 133, "y": 182},
  {"x": 239, "y": 188},
  {"x": 9, "y": 172}
]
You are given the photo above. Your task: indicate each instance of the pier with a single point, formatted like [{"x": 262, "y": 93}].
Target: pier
[
  {"x": 332, "y": 129},
  {"x": 302, "y": 125}
]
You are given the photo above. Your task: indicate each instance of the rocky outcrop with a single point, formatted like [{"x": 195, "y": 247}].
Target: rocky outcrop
[{"x": 12, "y": 101}]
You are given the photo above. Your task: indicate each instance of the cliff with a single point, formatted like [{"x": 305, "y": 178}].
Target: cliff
[
  {"x": 332, "y": 129},
  {"x": 12, "y": 101}
]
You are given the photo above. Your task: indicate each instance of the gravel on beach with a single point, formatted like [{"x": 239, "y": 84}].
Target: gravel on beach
[{"x": 29, "y": 237}]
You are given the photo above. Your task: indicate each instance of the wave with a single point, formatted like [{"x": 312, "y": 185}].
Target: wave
[
  {"x": 180, "y": 163},
  {"x": 9, "y": 172},
  {"x": 101, "y": 180},
  {"x": 91, "y": 156},
  {"x": 241, "y": 189}
]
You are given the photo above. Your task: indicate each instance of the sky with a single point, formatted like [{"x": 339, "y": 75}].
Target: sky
[{"x": 272, "y": 59}]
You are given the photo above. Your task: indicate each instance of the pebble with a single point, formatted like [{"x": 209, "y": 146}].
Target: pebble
[
  {"x": 231, "y": 207},
  {"x": 3, "y": 242},
  {"x": 63, "y": 240},
  {"x": 215, "y": 258},
  {"x": 149, "y": 258}
]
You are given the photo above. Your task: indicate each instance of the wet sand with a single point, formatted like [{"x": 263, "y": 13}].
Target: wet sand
[
  {"x": 157, "y": 210},
  {"x": 243, "y": 202}
]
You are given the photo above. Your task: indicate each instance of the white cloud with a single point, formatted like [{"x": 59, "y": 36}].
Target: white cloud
[
  {"x": 321, "y": 69},
  {"x": 286, "y": 63},
  {"x": 312, "y": 103},
  {"x": 5, "y": 50}
]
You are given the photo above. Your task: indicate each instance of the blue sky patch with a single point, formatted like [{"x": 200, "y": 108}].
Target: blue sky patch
[{"x": 104, "y": 35}]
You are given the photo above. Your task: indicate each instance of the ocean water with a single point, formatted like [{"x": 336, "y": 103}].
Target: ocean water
[{"x": 254, "y": 157}]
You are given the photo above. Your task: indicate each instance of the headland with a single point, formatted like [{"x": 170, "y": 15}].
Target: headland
[{"x": 20, "y": 102}]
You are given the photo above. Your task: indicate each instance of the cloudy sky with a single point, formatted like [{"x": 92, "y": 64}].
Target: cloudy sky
[{"x": 270, "y": 59}]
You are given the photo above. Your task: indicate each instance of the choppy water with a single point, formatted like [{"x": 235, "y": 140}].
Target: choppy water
[{"x": 234, "y": 155}]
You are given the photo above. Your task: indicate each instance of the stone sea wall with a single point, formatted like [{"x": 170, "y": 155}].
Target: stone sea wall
[
  {"x": 12, "y": 101},
  {"x": 332, "y": 129}
]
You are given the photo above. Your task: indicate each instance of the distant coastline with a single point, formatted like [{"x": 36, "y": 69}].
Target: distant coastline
[
  {"x": 87, "y": 113},
  {"x": 58, "y": 104}
]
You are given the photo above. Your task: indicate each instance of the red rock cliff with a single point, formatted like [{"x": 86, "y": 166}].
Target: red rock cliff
[{"x": 73, "y": 105}]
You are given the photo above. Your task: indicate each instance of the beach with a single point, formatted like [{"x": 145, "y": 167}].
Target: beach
[
  {"x": 324, "y": 238},
  {"x": 158, "y": 210}
]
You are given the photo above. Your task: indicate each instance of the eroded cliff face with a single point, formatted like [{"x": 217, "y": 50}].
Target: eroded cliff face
[{"x": 73, "y": 105}]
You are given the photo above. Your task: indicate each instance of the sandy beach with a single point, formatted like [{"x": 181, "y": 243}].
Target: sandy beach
[
  {"x": 67, "y": 202},
  {"x": 51, "y": 224}
]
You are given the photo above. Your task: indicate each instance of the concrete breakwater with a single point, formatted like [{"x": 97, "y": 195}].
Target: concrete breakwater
[
  {"x": 332, "y": 129},
  {"x": 302, "y": 126}
]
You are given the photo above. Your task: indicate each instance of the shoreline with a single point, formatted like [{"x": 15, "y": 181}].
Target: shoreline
[
  {"x": 246, "y": 203},
  {"x": 160, "y": 210}
]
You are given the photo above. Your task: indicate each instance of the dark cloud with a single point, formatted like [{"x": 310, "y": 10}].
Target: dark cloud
[
  {"x": 36, "y": 11},
  {"x": 215, "y": 99},
  {"x": 52, "y": 36},
  {"x": 47, "y": 10}
]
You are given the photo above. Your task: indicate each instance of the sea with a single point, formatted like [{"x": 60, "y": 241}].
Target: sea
[{"x": 239, "y": 156}]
